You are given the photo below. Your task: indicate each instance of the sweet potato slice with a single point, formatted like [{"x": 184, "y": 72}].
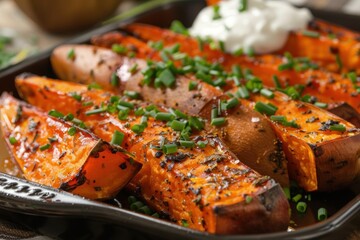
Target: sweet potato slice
[
  {"x": 260, "y": 150},
  {"x": 206, "y": 187},
  {"x": 317, "y": 156},
  {"x": 326, "y": 87},
  {"x": 48, "y": 152}
]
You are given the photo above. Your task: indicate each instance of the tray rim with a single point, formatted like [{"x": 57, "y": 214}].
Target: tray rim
[{"x": 337, "y": 220}]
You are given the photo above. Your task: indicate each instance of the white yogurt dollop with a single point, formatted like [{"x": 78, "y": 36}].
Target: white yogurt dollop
[{"x": 263, "y": 27}]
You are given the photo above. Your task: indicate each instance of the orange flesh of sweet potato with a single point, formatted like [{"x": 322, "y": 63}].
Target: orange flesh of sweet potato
[
  {"x": 326, "y": 171},
  {"x": 257, "y": 147},
  {"x": 326, "y": 87},
  {"x": 304, "y": 162},
  {"x": 81, "y": 164},
  {"x": 204, "y": 187}
]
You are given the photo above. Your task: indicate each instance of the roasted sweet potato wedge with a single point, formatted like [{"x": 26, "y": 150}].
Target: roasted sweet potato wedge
[
  {"x": 254, "y": 142},
  {"x": 308, "y": 168},
  {"x": 320, "y": 155},
  {"x": 326, "y": 87},
  {"x": 200, "y": 183},
  {"x": 54, "y": 153}
]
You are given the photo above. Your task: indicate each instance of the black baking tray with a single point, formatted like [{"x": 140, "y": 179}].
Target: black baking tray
[{"x": 90, "y": 220}]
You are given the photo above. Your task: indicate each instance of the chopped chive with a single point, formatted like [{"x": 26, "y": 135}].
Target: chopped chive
[
  {"x": 265, "y": 108},
  {"x": 138, "y": 128},
  {"x": 95, "y": 111},
  {"x": 287, "y": 192},
  {"x": 132, "y": 199},
  {"x": 117, "y": 138},
  {"x": 248, "y": 199},
  {"x": 126, "y": 104},
  {"x": 136, "y": 205},
  {"x": 278, "y": 118},
  {"x": 139, "y": 112},
  {"x": 250, "y": 52},
  {"x": 254, "y": 85},
  {"x": 167, "y": 78},
  {"x": 216, "y": 12},
  {"x": 12, "y": 140},
  {"x": 133, "y": 69},
  {"x": 155, "y": 215},
  {"x": 231, "y": 103},
  {"x": 72, "y": 131},
  {"x": 69, "y": 117},
  {"x": 222, "y": 46},
  {"x": 200, "y": 43},
  {"x": 321, "y": 104},
  {"x": 337, "y": 127},
  {"x": 285, "y": 66},
  {"x": 114, "y": 99},
  {"x": 322, "y": 214},
  {"x": 352, "y": 76},
  {"x": 312, "y": 34},
  {"x": 118, "y": 48},
  {"x": 242, "y": 92},
  {"x": 276, "y": 81},
  {"x": 79, "y": 123},
  {"x": 338, "y": 61},
  {"x": 71, "y": 54},
  {"x": 44, "y": 147},
  {"x": 144, "y": 120},
  {"x": 173, "y": 49},
  {"x": 55, "y": 113},
  {"x": 202, "y": 144},
  {"x": 76, "y": 96},
  {"x": 332, "y": 36},
  {"x": 94, "y": 86},
  {"x": 114, "y": 80},
  {"x": 218, "y": 121},
  {"x": 156, "y": 45},
  {"x": 296, "y": 198},
  {"x": 243, "y": 5},
  {"x": 123, "y": 114},
  {"x": 267, "y": 93},
  {"x": 145, "y": 210},
  {"x": 238, "y": 52},
  {"x": 187, "y": 144},
  {"x": 177, "y": 125},
  {"x": 301, "y": 207},
  {"x": 214, "y": 113},
  {"x": 132, "y": 94},
  {"x": 88, "y": 104},
  {"x": 192, "y": 85},
  {"x": 184, "y": 223},
  {"x": 163, "y": 116},
  {"x": 178, "y": 27},
  {"x": 170, "y": 148},
  {"x": 52, "y": 139},
  {"x": 180, "y": 114},
  {"x": 196, "y": 123}
]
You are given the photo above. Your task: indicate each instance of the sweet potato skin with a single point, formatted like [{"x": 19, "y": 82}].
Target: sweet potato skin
[
  {"x": 105, "y": 64},
  {"x": 314, "y": 171},
  {"x": 81, "y": 164},
  {"x": 259, "y": 151},
  {"x": 186, "y": 189}
]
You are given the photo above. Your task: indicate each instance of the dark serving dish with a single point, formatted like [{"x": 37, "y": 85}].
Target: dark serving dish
[{"x": 62, "y": 215}]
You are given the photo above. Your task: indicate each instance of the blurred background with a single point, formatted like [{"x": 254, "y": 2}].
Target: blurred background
[{"x": 31, "y": 26}]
